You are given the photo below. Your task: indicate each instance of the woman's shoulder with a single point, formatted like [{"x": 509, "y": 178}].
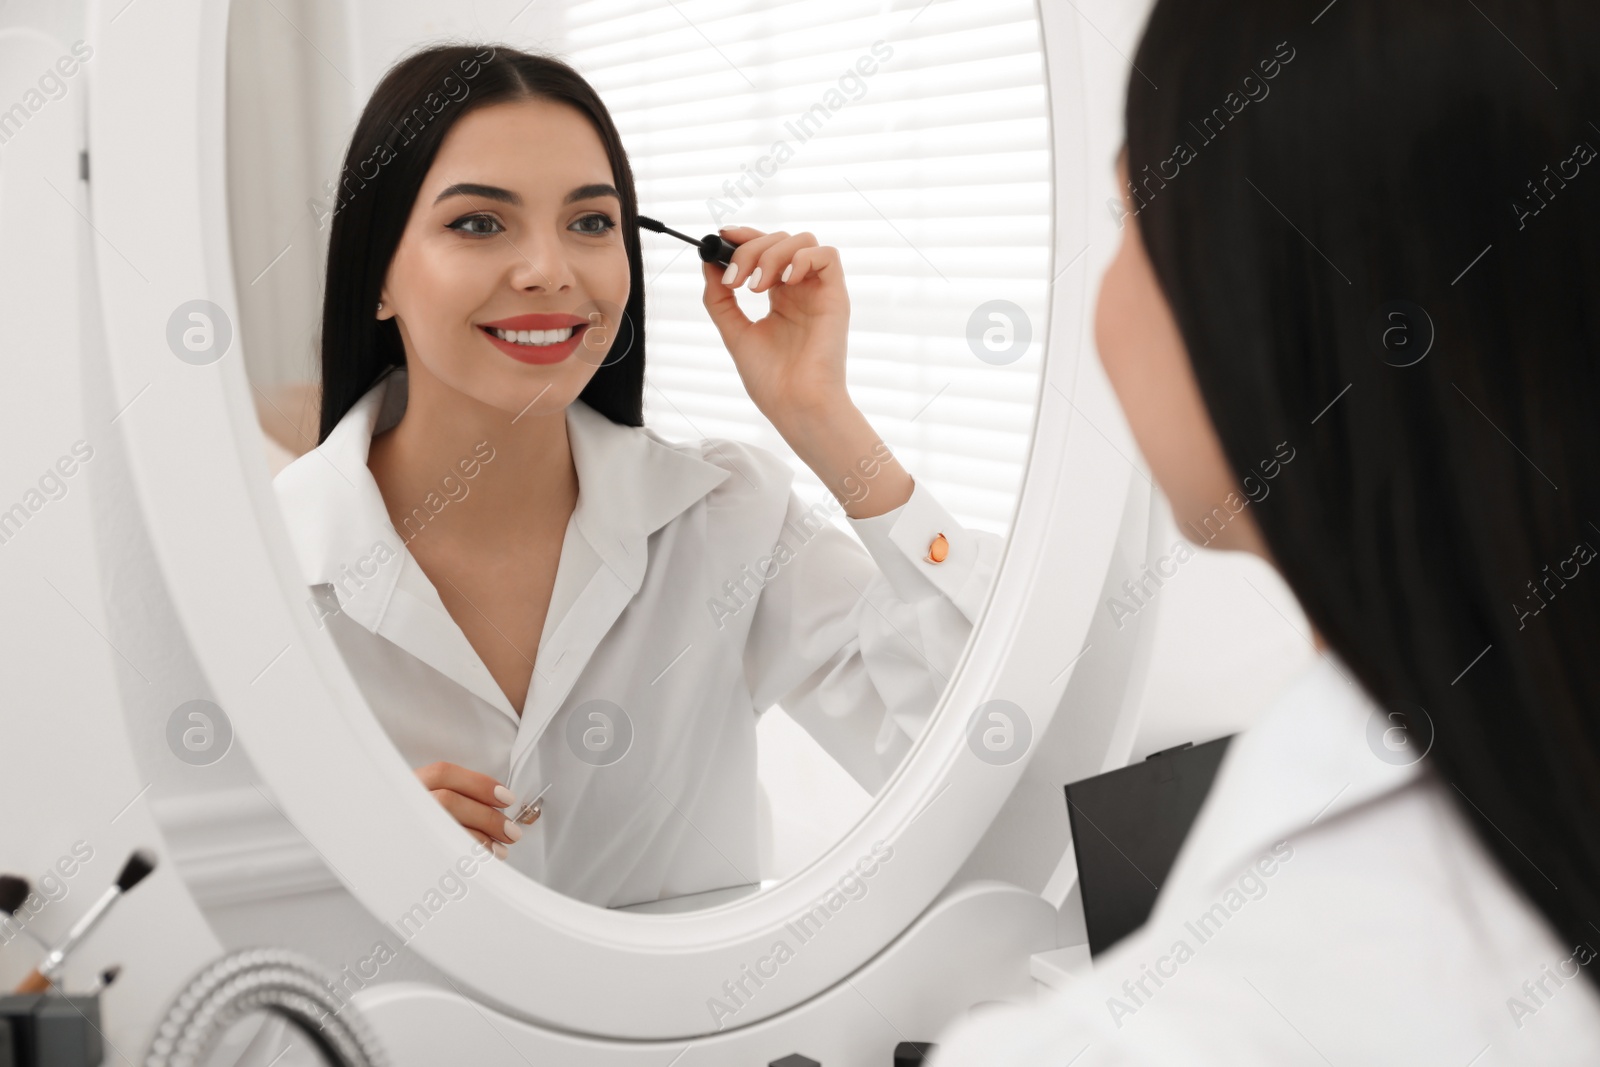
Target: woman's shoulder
[
  {"x": 1329, "y": 880},
  {"x": 1370, "y": 863},
  {"x": 1383, "y": 935}
]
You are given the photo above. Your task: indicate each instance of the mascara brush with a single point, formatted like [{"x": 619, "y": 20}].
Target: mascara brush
[{"x": 713, "y": 248}]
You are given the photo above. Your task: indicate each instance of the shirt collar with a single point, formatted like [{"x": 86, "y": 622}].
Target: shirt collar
[
  {"x": 1323, "y": 749},
  {"x": 631, "y": 482}
]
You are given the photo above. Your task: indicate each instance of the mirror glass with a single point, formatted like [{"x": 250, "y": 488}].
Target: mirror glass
[{"x": 703, "y": 643}]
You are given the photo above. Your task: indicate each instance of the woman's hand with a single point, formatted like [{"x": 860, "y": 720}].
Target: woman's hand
[
  {"x": 474, "y": 800},
  {"x": 792, "y": 360}
]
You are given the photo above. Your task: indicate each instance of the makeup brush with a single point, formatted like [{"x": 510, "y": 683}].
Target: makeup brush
[
  {"x": 107, "y": 976},
  {"x": 713, "y": 248},
  {"x": 14, "y": 891},
  {"x": 139, "y": 864}
]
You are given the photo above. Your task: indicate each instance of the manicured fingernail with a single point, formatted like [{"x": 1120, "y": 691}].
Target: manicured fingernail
[
  {"x": 499, "y": 851},
  {"x": 755, "y": 279},
  {"x": 786, "y": 272},
  {"x": 513, "y": 831},
  {"x": 731, "y": 273},
  {"x": 505, "y": 796}
]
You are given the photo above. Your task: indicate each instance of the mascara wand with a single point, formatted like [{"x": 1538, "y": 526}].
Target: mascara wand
[{"x": 713, "y": 248}]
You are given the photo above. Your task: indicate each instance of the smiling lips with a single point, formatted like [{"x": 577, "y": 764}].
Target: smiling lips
[{"x": 536, "y": 338}]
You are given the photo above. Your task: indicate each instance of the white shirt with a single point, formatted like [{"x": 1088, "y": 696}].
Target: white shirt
[
  {"x": 695, "y": 589},
  {"x": 1328, "y": 907}
]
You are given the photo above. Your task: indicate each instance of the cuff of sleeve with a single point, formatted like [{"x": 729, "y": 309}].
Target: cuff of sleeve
[{"x": 900, "y": 541}]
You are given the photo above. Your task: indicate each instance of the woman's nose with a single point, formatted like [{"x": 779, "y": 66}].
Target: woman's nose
[{"x": 541, "y": 263}]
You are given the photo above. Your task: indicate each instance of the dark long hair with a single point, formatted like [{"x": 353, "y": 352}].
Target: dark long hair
[
  {"x": 394, "y": 144},
  {"x": 1438, "y": 521}
]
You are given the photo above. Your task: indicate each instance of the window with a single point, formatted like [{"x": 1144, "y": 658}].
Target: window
[{"x": 914, "y": 137}]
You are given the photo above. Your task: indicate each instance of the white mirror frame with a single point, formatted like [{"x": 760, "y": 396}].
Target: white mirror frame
[{"x": 157, "y": 190}]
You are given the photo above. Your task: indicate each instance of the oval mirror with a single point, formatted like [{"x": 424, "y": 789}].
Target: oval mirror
[{"x": 778, "y": 771}]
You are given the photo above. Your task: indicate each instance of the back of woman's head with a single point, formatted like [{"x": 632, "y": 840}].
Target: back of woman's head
[
  {"x": 1378, "y": 228},
  {"x": 391, "y": 151}
]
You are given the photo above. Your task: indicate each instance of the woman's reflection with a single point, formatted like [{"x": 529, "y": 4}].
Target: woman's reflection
[{"x": 536, "y": 592}]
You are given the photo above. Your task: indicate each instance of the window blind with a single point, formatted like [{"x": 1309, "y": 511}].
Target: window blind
[{"x": 914, "y": 137}]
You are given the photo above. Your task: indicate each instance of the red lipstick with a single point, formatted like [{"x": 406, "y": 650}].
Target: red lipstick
[{"x": 536, "y": 353}]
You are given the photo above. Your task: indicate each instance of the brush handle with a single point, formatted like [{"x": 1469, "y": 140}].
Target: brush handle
[
  {"x": 79, "y": 931},
  {"x": 33, "y": 983}
]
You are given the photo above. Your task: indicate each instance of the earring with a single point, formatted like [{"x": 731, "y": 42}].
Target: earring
[{"x": 380, "y": 305}]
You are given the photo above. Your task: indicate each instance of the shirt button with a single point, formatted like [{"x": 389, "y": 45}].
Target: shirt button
[{"x": 938, "y": 550}]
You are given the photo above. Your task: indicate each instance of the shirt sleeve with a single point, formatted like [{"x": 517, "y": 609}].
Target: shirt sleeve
[{"x": 857, "y": 646}]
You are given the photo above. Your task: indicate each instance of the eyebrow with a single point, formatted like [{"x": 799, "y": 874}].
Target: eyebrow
[{"x": 506, "y": 196}]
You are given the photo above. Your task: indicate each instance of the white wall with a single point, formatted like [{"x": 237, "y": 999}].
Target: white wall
[{"x": 75, "y": 804}]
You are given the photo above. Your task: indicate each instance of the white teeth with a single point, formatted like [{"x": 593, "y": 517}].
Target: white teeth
[{"x": 533, "y": 337}]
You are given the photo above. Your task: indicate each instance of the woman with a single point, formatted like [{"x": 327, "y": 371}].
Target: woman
[
  {"x": 1372, "y": 233},
  {"x": 541, "y": 597}
]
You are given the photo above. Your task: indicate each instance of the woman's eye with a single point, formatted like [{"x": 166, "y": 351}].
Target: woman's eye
[
  {"x": 460, "y": 225},
  {"x": 606, "y": 225},
  {"x": 595, "y": 225}
]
